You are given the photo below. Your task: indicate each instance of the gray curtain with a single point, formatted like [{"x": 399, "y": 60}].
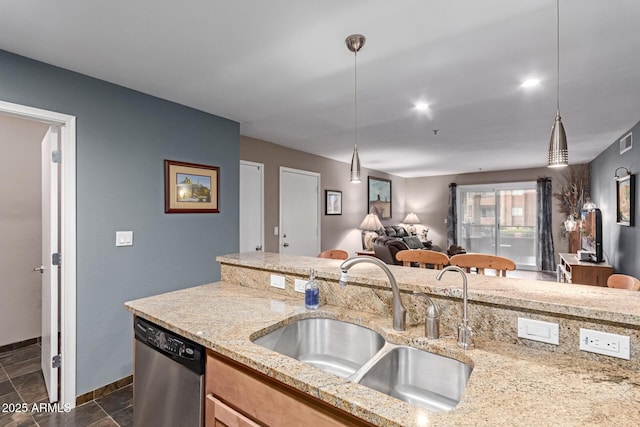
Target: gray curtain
[
  {"x": 452, "y": 217},
  {"x": 546, "y": 254}
]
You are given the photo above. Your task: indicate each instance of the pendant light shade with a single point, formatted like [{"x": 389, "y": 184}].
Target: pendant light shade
[
  {"x": 355, "y": 166},
  {"x": 558, "y": 150},
  {"x": 355, "y": 42}
]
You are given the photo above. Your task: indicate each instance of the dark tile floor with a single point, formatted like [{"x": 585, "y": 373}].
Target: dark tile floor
[{"x": 22, "y": 386}]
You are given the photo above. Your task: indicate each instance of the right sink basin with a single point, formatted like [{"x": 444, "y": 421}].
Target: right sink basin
[{"x": 418, "y": 377}]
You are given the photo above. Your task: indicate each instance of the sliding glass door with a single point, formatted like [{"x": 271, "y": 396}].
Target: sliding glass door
[{"x": 499, "y": 219}]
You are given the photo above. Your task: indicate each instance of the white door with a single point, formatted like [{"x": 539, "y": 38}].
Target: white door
[
  {"x": 251, "y": 206},
  {"x": 299, "y": 212},
  {"x": 49, "y": 270}
]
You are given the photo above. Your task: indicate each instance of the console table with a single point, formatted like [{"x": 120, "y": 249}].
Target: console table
[
  {"x": 366, "y": 253},
  {"x": 572, "y": 270}
]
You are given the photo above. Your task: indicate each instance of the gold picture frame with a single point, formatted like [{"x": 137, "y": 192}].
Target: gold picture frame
[{"x": 191, "y": 188}]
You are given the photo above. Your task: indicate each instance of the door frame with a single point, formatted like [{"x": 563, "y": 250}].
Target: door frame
[
  {"x": 67, "y": 231},
  {"x": 260, "y": 167},
  {"x": 319, "y": 204}
]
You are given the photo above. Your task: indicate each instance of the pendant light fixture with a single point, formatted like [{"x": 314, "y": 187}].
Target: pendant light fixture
[
  {"x": 558, "y": 151},
  {"x": 355, "y": 42}
]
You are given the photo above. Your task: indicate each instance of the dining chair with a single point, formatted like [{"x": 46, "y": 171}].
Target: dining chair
[
  {"x": 334, "y": 254},
  {"x": 622, "y": 281},
  {"x": 423, "y": 257},
  {"x": 482, "y": 261}
]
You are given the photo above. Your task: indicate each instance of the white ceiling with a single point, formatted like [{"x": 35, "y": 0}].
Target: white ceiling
[{"x": 281, "y": 69}]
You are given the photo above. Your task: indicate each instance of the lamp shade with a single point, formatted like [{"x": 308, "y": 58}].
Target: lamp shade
[
  {"x": 411, "y": 218},
  {"x": 371, "y": 223}
]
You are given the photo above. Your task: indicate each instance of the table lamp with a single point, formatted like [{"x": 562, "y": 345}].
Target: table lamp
[
  {"x": 411, "y": 219},
  {"x": 370, "y": 224}
]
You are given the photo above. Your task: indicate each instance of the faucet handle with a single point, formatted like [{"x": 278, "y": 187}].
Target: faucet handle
[{"x": 432, "y": 317}]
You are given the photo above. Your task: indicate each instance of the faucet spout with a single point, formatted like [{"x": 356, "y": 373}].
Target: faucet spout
[
  {"x": 465, "y": 333},
  {"x": 399, "y": 311}
]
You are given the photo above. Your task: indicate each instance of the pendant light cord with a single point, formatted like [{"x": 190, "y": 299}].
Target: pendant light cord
[
  {"x": 558, "y": 54},
  {"x": 355, "y": 96}
]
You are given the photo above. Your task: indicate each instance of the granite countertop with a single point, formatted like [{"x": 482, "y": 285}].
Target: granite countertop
[
  {"x": 593, "y": 302},
  {"x": 510, "y": 384}
]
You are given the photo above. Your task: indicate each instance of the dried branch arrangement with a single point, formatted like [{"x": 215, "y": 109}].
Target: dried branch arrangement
[{"x": 575, "y": 190}]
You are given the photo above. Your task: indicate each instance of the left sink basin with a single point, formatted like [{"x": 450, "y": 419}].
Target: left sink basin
[{"x": 334, "y": 346}]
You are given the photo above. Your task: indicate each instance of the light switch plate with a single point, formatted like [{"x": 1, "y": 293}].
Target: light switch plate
[
  {"x": 605, "y": 343},
  {"x": 277, "y": 281},
  {"x": 124, "y": 238},
  {"x": 538, "y": 330}
]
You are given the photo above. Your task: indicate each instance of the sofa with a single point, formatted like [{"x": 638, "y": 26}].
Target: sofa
[
  {"x": 396, "y": 239},
  {"x": 386, "y": 248}
]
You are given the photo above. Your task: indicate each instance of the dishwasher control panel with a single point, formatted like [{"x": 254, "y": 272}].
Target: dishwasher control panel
[{"x": 160, "y": 338}]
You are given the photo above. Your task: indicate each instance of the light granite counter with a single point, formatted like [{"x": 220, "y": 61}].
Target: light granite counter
[{"x": 511, "y": 384}]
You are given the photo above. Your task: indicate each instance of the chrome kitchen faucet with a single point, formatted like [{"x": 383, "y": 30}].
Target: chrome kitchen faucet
[{"x": 399, "y": 311}]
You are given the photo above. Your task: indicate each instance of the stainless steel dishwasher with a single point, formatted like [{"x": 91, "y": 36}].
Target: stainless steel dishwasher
[{"x": 168, "y": 378}]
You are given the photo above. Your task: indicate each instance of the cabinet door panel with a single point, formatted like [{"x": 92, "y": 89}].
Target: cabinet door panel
[
  {"x": 220, "y": 415},
  {"x": 265, "y": 400}
]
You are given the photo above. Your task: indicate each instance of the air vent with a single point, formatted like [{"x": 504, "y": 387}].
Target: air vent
[{"x": 626, "y": 143}]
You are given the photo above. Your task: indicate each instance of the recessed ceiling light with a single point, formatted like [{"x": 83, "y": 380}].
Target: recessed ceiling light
[
  {"x": 421, "y": 106},
  {"x": 529, "y": 83}
]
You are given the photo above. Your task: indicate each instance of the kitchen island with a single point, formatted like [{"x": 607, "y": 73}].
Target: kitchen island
[{"x": 512, "y": 383}]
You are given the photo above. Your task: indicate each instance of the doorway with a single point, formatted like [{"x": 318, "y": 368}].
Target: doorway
[
  {"x": 499, "y": 219},
  {"x": 251, "y": 224},
  {"x": 67, "y": 238},
  {"x": 299, "y": 212}
]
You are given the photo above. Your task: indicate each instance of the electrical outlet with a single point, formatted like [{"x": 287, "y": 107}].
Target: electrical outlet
[
  {"x": 605, "y": 343},
  {"x": 277, "y": 281},
  {"x": 299, "y": 285}
]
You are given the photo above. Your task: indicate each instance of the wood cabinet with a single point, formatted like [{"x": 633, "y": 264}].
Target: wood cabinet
[
  {"x": 220, "y": 415},
  {"x": 571, "y": 270},
  {"x": 237, "y": 396}
]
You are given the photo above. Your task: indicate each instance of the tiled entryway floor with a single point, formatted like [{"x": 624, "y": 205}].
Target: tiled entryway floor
[{"x": 21, "y": 381}]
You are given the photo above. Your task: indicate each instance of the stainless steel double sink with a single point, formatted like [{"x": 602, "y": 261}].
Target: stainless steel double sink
[{"x": 363, "y": 356}]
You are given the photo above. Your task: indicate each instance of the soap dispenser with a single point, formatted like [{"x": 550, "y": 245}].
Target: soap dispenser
[{"x": 311, "y": 292}]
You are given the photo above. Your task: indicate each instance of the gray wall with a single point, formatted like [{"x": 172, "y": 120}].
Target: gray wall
[
  {"x": 123, "y": 137},
  {"x": 427, "y": 196},
  {"x": 338, "y": 231},
  {"x": 20, "y": 229},
  {"x": 619, "y": 242}
]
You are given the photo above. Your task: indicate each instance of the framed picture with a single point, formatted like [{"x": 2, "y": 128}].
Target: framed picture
[
  {"x": 379, "y": 197},
  {"x": 191, "y": 188},
  {"x": 625, "y": 200},
  {"x": 333, "y": 202}
]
